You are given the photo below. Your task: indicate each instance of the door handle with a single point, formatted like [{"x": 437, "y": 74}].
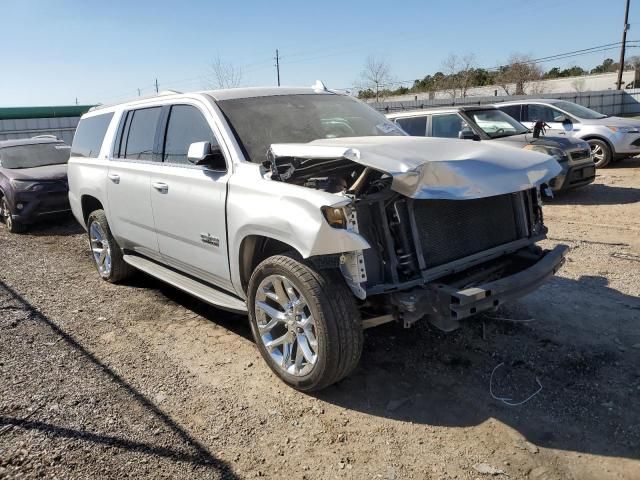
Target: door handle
[
  {"x": 161, "y": 187},
  {"x": 114, "y": 177}
]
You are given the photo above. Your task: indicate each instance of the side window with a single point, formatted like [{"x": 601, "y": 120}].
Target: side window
[
  {"x": 90, "y": 135},
  {"x": 414, "y": 126},
  {"x": 446, "y": 126},
  {"x": 142, "y": 133},
  {"x": 541, "y": 112},
  {"x": 186, "y": 126},
  {"x": 512, "y": 110}
]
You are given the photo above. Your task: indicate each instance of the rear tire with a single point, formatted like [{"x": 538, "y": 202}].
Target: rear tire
[
  {"x": 105, "y": 252},
  {"x": 5, "y": 215},
  {"x": 284, "y": 296},
  {"x": 601, "y": 152}
]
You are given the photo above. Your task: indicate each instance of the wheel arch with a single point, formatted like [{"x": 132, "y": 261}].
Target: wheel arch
[
  {"x": 586, "y": 138},
  {"x": 255, "y": 248},
  {"x": 89, "y": 203}
]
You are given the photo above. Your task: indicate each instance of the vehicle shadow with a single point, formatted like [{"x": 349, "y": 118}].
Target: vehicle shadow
[
  {"x": 58, "y": 227},
  {"x": 193, "y": 452},
  {"x": 428, "y": 377},
  {"x": 234, "y": 322},
  {"x": 596, "y": 194}
]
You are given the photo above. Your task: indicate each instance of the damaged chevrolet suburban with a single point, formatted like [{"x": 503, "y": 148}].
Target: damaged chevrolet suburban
[{"x": 312, "y": 213}]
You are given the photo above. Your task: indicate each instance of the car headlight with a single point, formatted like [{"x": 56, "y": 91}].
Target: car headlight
[
  {"x": 26, "y": 185},
  {"x": 624, "y": 129},
  {"x": 336, "y": 216},
  {"x": 555, "y": 152}
]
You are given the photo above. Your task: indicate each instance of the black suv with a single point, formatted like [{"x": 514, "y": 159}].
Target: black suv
[{"x": 33, "y": 181}]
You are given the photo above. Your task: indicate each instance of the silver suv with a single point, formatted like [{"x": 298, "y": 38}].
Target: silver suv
[
  {"x": 611, "y": 138},
  {"x": 312, "y": 213}
]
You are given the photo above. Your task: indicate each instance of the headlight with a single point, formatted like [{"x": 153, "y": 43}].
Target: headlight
[
  {"x": 624, "y": 129},
  {"x": 26, "y": 185},
  {"x": 337, "y": 217},
  {"x": 555, "y": 152}
]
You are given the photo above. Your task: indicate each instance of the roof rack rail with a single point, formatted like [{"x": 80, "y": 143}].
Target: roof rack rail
[{"x": 146, "y": 97}]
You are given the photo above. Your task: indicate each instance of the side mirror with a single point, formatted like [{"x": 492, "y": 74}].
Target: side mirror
[
  {"x": 467, "y": 135},
  {"x": 562, "y": 119},
  {"x": 202, "y": 153}
]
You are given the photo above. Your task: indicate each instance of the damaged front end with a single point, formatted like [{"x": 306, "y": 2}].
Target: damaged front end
[{"x": 451, "y": 227}]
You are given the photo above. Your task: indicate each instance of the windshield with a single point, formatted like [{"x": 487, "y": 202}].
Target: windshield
[
  {"x": 496, "y": 123},
  {"x": 36, "y": 155},
  {"x": 261, "y": 121},
  {"x": 579, "y": 111}
]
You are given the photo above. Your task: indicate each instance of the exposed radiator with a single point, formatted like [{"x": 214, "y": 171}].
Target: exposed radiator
[{"x": 453, "y": 229}]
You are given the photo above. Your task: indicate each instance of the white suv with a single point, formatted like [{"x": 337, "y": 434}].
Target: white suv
[
  {"x": 611, "y": 138},
  {"x": 311, "y": 212}
]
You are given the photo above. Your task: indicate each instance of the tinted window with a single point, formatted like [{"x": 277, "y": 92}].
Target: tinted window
[
  {"x": 541, "y": 112},
  {"x": 186, "y": 126},
  {"x": 415, "y": 126},
  {"x": 142, "y": 133},
  {"x": 90, "y": 135},
  {"x": 446, "y": 126},
  {"x": 512, "y": 111},
  {"x": 36, "y": 155}
]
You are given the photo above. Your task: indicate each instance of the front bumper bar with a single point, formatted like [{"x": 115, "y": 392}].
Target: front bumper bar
[{"x": 445, "y": 305}]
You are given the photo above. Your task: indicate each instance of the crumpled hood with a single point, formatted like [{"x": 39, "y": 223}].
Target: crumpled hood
[
  {"x": 47, "y": 172},
  {"x": 435, "y": 168}
]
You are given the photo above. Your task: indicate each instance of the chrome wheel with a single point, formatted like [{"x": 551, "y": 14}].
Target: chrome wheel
[
  {"x": 286, "y": 325},
  {"x": 598, "y": 153},
  {"x": 100, "y": 249}
]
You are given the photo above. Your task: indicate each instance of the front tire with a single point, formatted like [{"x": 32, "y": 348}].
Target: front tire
[
  {"x": 5, "y": 215},
  {"x": 601, "y": 152},
  {"x": 305, "y": 322},
  {"x": 105, "y": 252}
]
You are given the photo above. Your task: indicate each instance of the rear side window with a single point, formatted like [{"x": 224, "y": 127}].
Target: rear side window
[
  {"x": 90, "y": 135},
  {"x": 512, "y": 111},
  {"x": 446, "y": 126},
  {"x": 142, "y": 133},
  {"x": 186, "y": 126},
  {"x": 414, "y": 126}
]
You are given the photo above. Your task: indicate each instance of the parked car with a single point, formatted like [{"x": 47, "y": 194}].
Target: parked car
[
  {"x": 611, "y": 138},
  {"x": 33, "y": 181},
  {"x": 491, "y": 124},
  {"x": 312, "y": 213}
]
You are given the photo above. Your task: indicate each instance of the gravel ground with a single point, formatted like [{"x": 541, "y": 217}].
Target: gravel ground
[{"x": 141, "y": 381}]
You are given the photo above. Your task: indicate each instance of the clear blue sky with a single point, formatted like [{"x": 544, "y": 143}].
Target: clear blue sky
[{"x": 103, "y": 51}]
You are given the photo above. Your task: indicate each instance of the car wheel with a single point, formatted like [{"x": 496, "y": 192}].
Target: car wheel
[
  {"x": 106, "y": 254},
  {"x": 5, "y": 215},
  {"x": 305, "y": 322},
  {"x": 601, "y": 152}
]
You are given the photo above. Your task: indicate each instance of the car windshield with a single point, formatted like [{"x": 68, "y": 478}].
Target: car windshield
[
  {"x": 262, "y": 121},
  {"x": 496, "y": 123},
  {"x": 579, "y": 111},
  {"x": 34, "y": 155}
]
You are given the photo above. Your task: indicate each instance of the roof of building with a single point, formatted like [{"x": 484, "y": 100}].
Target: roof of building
[{"x": 11, "y": 113}]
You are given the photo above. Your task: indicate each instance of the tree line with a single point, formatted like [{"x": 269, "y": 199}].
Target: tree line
[{"x": 459, "y": 73}]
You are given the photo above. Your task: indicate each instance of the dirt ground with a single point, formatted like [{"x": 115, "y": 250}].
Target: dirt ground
[{"x": 141, "y": 381}]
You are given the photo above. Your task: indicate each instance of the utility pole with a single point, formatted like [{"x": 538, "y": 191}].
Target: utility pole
[
  {"x": 278, "y": 65},
  {"x": 624, "y": 45},
  {"x": 138, "y": 92},
  {"x": 76, "y": 100},
  {"x": 157, "y": 85}
]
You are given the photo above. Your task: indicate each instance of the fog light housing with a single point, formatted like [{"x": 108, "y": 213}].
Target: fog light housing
[{"x": 19, "y": 206}]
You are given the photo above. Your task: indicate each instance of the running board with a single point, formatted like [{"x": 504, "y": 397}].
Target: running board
[{"x": 193, "y": 287}]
